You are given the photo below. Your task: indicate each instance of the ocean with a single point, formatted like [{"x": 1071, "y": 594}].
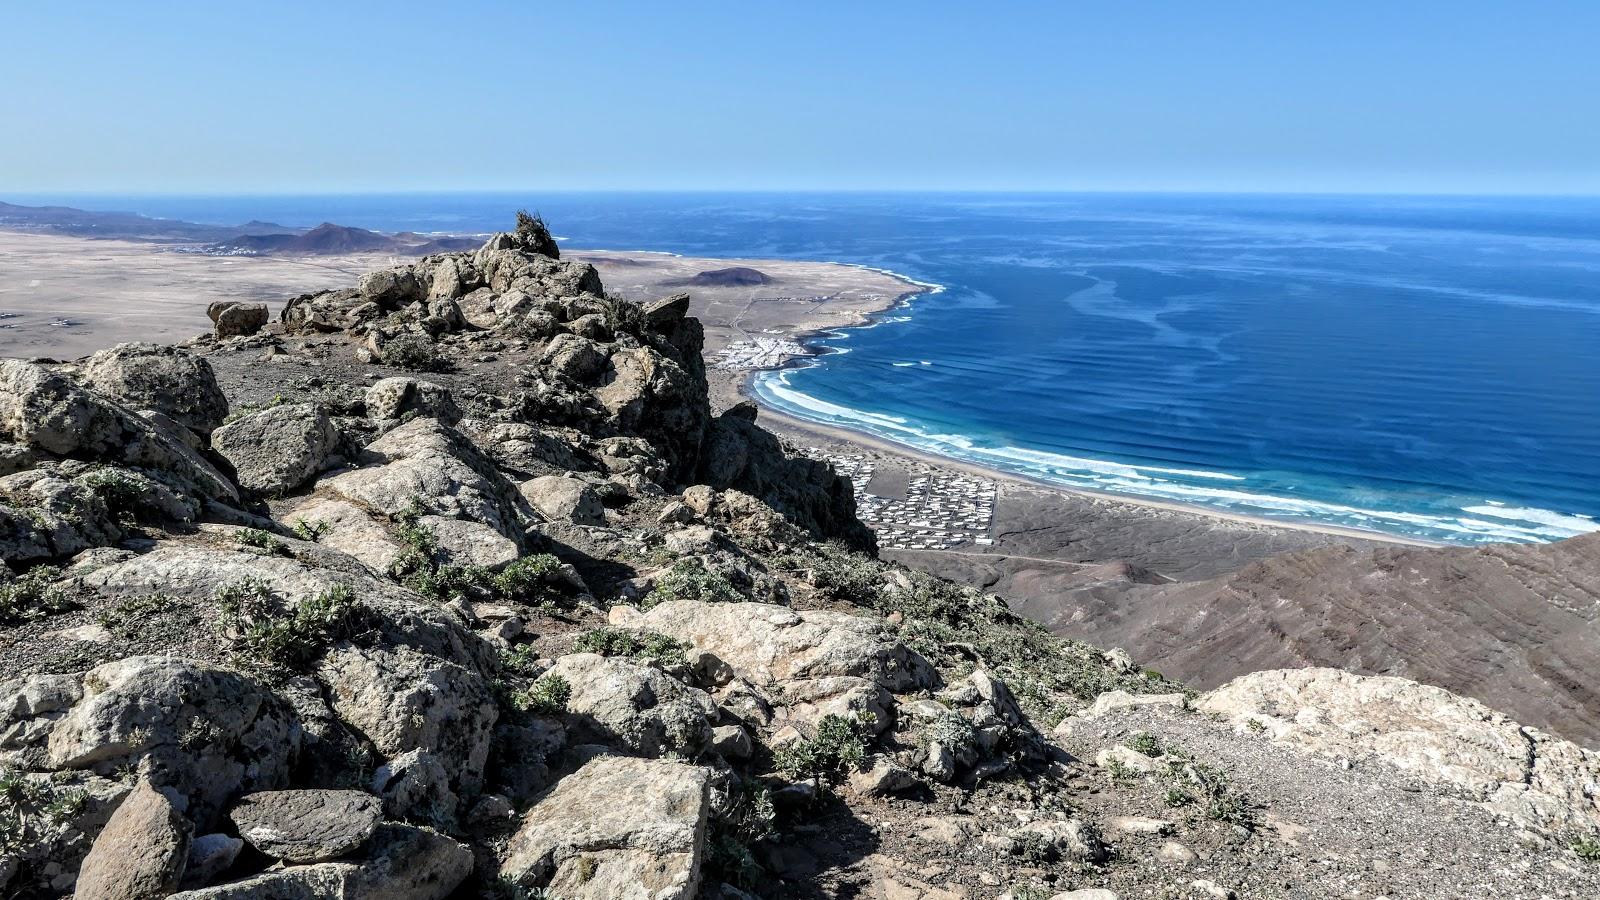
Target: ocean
[{"x": 1427, "y": 367}]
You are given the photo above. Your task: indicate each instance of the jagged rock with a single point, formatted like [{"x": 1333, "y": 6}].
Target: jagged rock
[
  {"x": 731, "y": 742},
  {"x": 415, "y": 785},
  {"x": 427, "y": 461},
  {"x": 393, "y": 398},
  {"x": 306, "y": 826},
  {"x": 565, "y": 500},
  {"x": 29, "y": 708},
  {"x": 209, "y": 856},
  {"x": 48, "y": 412},
  {"x": 634, "y": 706},
  {"x": 522, "y": 756},
  {"x": 767, "y": 644},
  {"x": 52, "y": 517},
  {"x": 392, "y": 288},
  {"x": 881, "y": 776},
  {"x": 468, "y": 543},
  {"x": 401, "y": 618},
  {"x": 140, "y": 854},
  {"x": 161, "y": 378},
  {"x": 402, "y": 700},
  {"x": 1534, "y": 779},
  {"x": 581, "y": 844},
  {"x": 205, "y": 733},
  {"x": 404, "y": 863},
  {"x": 279, "y": 448},
  {"x": 235, "y": 319},
  {"x": 528, "y": 448},
  {"x": 349, "y": 530}
]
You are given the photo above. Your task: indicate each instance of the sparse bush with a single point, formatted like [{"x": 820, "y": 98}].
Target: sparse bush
[
  {"x": 546, "y": 697},
  {"x": 1587, "y": 848},
  {"x": 121, "y": 494},
  {"x": 34, "y": 593},
  {"x": 527, "y": 580},
  {"x": 689, "y": 579},
  {"x": 522, "y": 660},
  {"x": 649, "y": 646},
  {"x": 1146, "y": 743},
  {"x": 128, "y": 614},
  {"x": 1033, "y": 848},
  {"x": 534, "y": 236},
  {"x": 838, "y": 747},
  {"x": 742, "y": 815},
  {"x": 259, "y": 628},
  {"x": 1208, "y": 787},
  {"x": 265, "y": 541},
  {"x": 311, "y": 531},
  {"x": 1254, "y": 726},
  {"x": 1178, "y": 797},
  {"x": 34, "y": 810},
  {"x": 416, "y": 352}
]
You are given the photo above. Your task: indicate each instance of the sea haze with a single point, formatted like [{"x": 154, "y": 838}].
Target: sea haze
[{"x": 1427, "y": 367}]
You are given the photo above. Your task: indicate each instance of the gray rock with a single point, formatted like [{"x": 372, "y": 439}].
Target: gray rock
[
  {"x": 731, "y": 742},
  {"x": 209, "y": 856},
  {"x": 235, "y": 319},
  {"x": 580, "y": 843},
  {"x": 565, "y": 499},
  {"x": 637, "y": 707},
  {"x": 279, "y": 448},
  {"x": 306, "y": 826},
  {"x": 46, "y": 411},
  {"x": 416, "y": 786},
  {"x": 404, "y": 863},
  {"x": 141, "y": 852},
  {"x": 203, "y": 732},
  {"x": 161, "y": 378},
  {"x": 392, "y": 398},
  {"x": 468, "y": 543}
]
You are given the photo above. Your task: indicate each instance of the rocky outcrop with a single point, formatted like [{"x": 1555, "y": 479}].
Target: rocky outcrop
[
  {"x": 565, "y": 499},
  {"x": 164, "y": 379},
  {"x": 634, "y": 707},
  {"x": 577, "y": 843},
  {"x": 235, "y": 319},
  {"x": 279, "y": 448},
  {"x": 1527, "y": 776}
]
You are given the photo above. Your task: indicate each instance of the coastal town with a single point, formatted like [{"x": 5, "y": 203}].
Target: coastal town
[
  {"x": 758, "y": 353},
  {"x": 914, "y": 506}
]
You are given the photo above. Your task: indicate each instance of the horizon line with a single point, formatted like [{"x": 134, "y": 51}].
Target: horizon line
[{"x": 103, "y": 192}]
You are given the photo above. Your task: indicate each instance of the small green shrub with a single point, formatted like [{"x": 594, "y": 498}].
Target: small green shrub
[
  {"x": 1033, "y": 848},
  {"x": 1177, "y": 797},
  {"x": 1208, "y": 787},
  {"x": 121, "y": 494},
  {"x": 265, "y": 541},
  {"x": 35, "y": 593},
  {"x": 416, "y": 352},
  {"x": 1587, "y": 848},
  {"x": 527, "y": 580},
  {"x": 742, "y": 815},
  {"x": 128, "y": 614},
  {"x": 311, "y": 531},
  {"x": 689, "y": 579},
  {"x": 546, "y": 697},
  {"x": 839, "y": 747},
  {"x": 1146, "y": 743},
  {"x": 34, "y": 810},
  {"x": 1254, "y": 726},
  {"x": 521, "y": 660},
  {"x": 261, "y": 630},
  {"x": 648, "y": 646}
]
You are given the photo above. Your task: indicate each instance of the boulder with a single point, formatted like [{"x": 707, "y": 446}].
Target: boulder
[
  {"x": 279, "y": 448},
  {"x": 140, "y": 854},
  {"x": 394, "y": 398},
  {"x": 432, "y": 462},
  {"x": 235, "y": 319},
  {"x": 466, "y": 543},
  {"x": 349, "y": 529},
  {"x": 47, "y": 411},
  {"x": 634, "y": 706},
  {"x": 306, "y": 826},
  {"x": 580, "y": 843},
  {"x": 162, "y": 378},
  {"x": 1534, "y": 779},
  {"x": 767, "y": 644},
  {"x": 565, "y": 499},
  {"x": 403, "y": 700},
  {"x": 201, "y": 732},
  {"x": 404, "y": 862}
]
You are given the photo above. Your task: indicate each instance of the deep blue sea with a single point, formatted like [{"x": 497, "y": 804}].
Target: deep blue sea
[{"x": 1427, "y": 367}]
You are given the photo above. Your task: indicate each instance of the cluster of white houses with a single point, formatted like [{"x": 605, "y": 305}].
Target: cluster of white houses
[{"x": 941, "y": 510}]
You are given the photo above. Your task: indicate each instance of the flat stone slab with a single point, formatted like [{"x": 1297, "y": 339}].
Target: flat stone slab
[{"x": 307, "y": 826}]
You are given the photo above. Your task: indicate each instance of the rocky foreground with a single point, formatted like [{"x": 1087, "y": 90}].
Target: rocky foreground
[{"x": 284, "y": 617}]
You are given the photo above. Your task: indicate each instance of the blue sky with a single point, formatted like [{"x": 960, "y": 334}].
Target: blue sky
[{"x": 1417, "y": 96}]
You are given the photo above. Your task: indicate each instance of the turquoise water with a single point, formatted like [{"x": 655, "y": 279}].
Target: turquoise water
[{"x": 1427, "y": 367}]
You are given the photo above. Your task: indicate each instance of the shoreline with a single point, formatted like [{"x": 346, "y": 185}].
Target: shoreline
[{"x": 840, "y": 434}]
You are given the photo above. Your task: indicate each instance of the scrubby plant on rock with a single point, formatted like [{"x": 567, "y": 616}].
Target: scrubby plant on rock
[
  {"x": 269, "y": 636},
  {"x": 38, "y": 592}
]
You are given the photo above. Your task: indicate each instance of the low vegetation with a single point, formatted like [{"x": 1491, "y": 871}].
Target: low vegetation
[
  {"x": 838, "y": 748},
  {"x": 689, "y": 579},
  {"x": 264, "y": 541},
  {"x": 37, "y": 592},
  {"x": 265, "y": 633},
  {"x": 546, "y": 697},
  {"x": 646, "y": 646},
  {"x": 416, "y": 352},
  {"x": 34, "y": 810}
]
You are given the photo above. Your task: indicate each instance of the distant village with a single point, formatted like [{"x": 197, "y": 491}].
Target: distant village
[
  {"x": 758, "y": 353},
  {"x": 936, "y": 509}
]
